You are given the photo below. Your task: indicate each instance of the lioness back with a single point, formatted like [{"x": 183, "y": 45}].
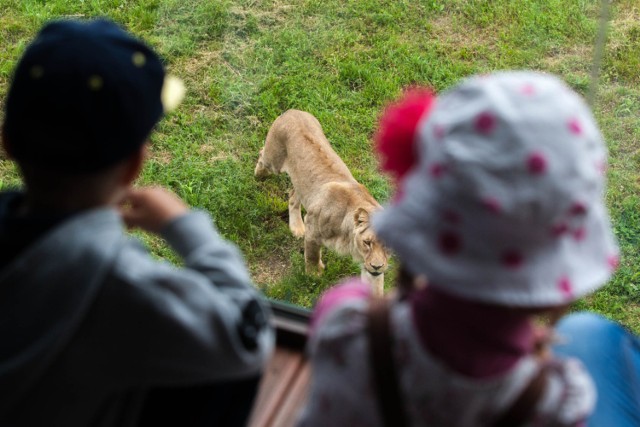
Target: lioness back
[{"x": 309, "y": 159}]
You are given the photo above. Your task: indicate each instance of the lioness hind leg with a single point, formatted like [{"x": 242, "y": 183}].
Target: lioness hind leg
[
  {"x": 273, "y": 155},
  {"x": 261, "y": 171},
  {"x": 296, "y": 225},
  {"x": 312, "y": 256}
]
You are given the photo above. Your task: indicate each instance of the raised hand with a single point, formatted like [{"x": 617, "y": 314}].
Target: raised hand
[{"x": 151, "y": 208}]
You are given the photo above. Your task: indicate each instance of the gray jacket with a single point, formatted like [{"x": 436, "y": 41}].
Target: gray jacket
[{"x": 89, "y": 321}]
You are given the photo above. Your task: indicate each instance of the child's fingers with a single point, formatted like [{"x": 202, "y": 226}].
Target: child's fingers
[
  {"x": 131, "y": 216},
  {"x": 134, "y": 197},
  {"x": 151, "y": 208},
  {"x": 132, "y": 208}
]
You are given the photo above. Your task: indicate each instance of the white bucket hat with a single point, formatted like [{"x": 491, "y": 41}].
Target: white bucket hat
[{"x": 504, "y": 203}]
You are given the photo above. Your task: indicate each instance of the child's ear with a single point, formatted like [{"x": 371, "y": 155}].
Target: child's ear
[{"x": 134, "y": 165}]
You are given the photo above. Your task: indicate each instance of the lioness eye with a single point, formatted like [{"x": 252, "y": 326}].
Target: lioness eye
[{"x": 367, "y": 242}]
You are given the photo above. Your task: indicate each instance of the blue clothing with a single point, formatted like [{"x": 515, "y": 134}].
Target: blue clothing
[
  {"x": 89, "y": 321},
  {"x": 612, "y": 356}
]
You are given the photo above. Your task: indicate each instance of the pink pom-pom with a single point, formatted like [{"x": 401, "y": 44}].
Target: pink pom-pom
[{"x": 395, "y": 140}]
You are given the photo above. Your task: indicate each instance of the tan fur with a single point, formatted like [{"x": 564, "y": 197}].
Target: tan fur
[{"x": 338, "y": 207}]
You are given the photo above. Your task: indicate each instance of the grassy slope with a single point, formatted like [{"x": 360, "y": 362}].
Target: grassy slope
[{"x": 246, "y": 61}]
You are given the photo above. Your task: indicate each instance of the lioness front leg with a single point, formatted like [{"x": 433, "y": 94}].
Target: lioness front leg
[
  {"x": 296, "y": 225},
  {"x": 312, "y": 255},
  {"x": 376, "y": 282}
]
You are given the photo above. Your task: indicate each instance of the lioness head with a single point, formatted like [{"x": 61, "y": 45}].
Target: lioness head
[{"x": 373, "y": 253}]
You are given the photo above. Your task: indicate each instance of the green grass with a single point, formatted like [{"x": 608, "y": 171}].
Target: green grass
[{"x": 246, "y": 61}]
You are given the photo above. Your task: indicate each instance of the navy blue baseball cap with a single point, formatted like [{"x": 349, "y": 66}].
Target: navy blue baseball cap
[{"x": 85, "y": 95}]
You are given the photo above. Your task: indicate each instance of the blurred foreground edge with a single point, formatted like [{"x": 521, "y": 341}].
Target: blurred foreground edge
[{"x": 283, "y": 388}]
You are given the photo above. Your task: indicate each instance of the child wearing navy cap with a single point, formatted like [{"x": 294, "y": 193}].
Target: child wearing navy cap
[{"x": 89, "y": 321}]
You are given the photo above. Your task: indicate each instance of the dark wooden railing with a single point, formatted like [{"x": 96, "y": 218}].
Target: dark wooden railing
[{"x": 283, "y": 388}]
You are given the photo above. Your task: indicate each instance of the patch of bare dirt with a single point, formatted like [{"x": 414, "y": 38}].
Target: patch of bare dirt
[
  {"x": 270, "y": 270},
  {"x": 212, "y": 154},
  {"x": 160, "y": 156},
  {"x": 581, "y": 54},
  {"x": 621, "y": 26},
  {"x": 200, "y": 61},
  {"x": 447, "y": 31},
  {"x": 266, "y": 17}
]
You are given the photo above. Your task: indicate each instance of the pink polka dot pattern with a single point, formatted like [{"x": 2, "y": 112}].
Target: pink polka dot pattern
[
  {"x": 577, "y": 209},
  {"x": 512, "y": 259},
  {"x": 528, "y": 89},
  {"x": 559, "y": 229},
  {"x": 565, "y": 287},
  {"x": 485, "y": 123},
  {"x": 492, "y": 205},
  {"x": 536, "y": 163},
  {"x": 449, "y": 243},
  {"x": 613, "y": 261},
  {"x": 575, "y": 126},
  {"x": 579, "y": 234},
  {"x": 437, "y": 170},
  {"x": 508, "y": 188}
]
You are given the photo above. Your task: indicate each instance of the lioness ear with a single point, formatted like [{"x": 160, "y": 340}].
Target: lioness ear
[{"x": 360, "y": 217}]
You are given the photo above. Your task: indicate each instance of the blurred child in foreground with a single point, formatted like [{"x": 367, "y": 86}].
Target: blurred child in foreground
[
  {"x": 92, "y": 327},
  {"x": 500, "y": 205}
]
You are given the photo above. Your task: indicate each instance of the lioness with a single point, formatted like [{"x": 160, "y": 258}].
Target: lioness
[{"x": 338, "y": 207}]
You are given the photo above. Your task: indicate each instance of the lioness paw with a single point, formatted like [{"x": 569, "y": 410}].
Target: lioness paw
[
  {"x": 297, "y": 230},
  {"x": 260, "y": 171},
  {"x": 314, "y": 269}
]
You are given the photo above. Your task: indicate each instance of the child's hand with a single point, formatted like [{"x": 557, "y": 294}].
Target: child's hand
[
  {"x": 545, "y": 337},
  {"x": 151, "y": 208}
]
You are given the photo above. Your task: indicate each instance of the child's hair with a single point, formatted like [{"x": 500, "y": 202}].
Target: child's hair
[
  {"x": 503, "y": 202},
  {"x": 84, "y": 96}
]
